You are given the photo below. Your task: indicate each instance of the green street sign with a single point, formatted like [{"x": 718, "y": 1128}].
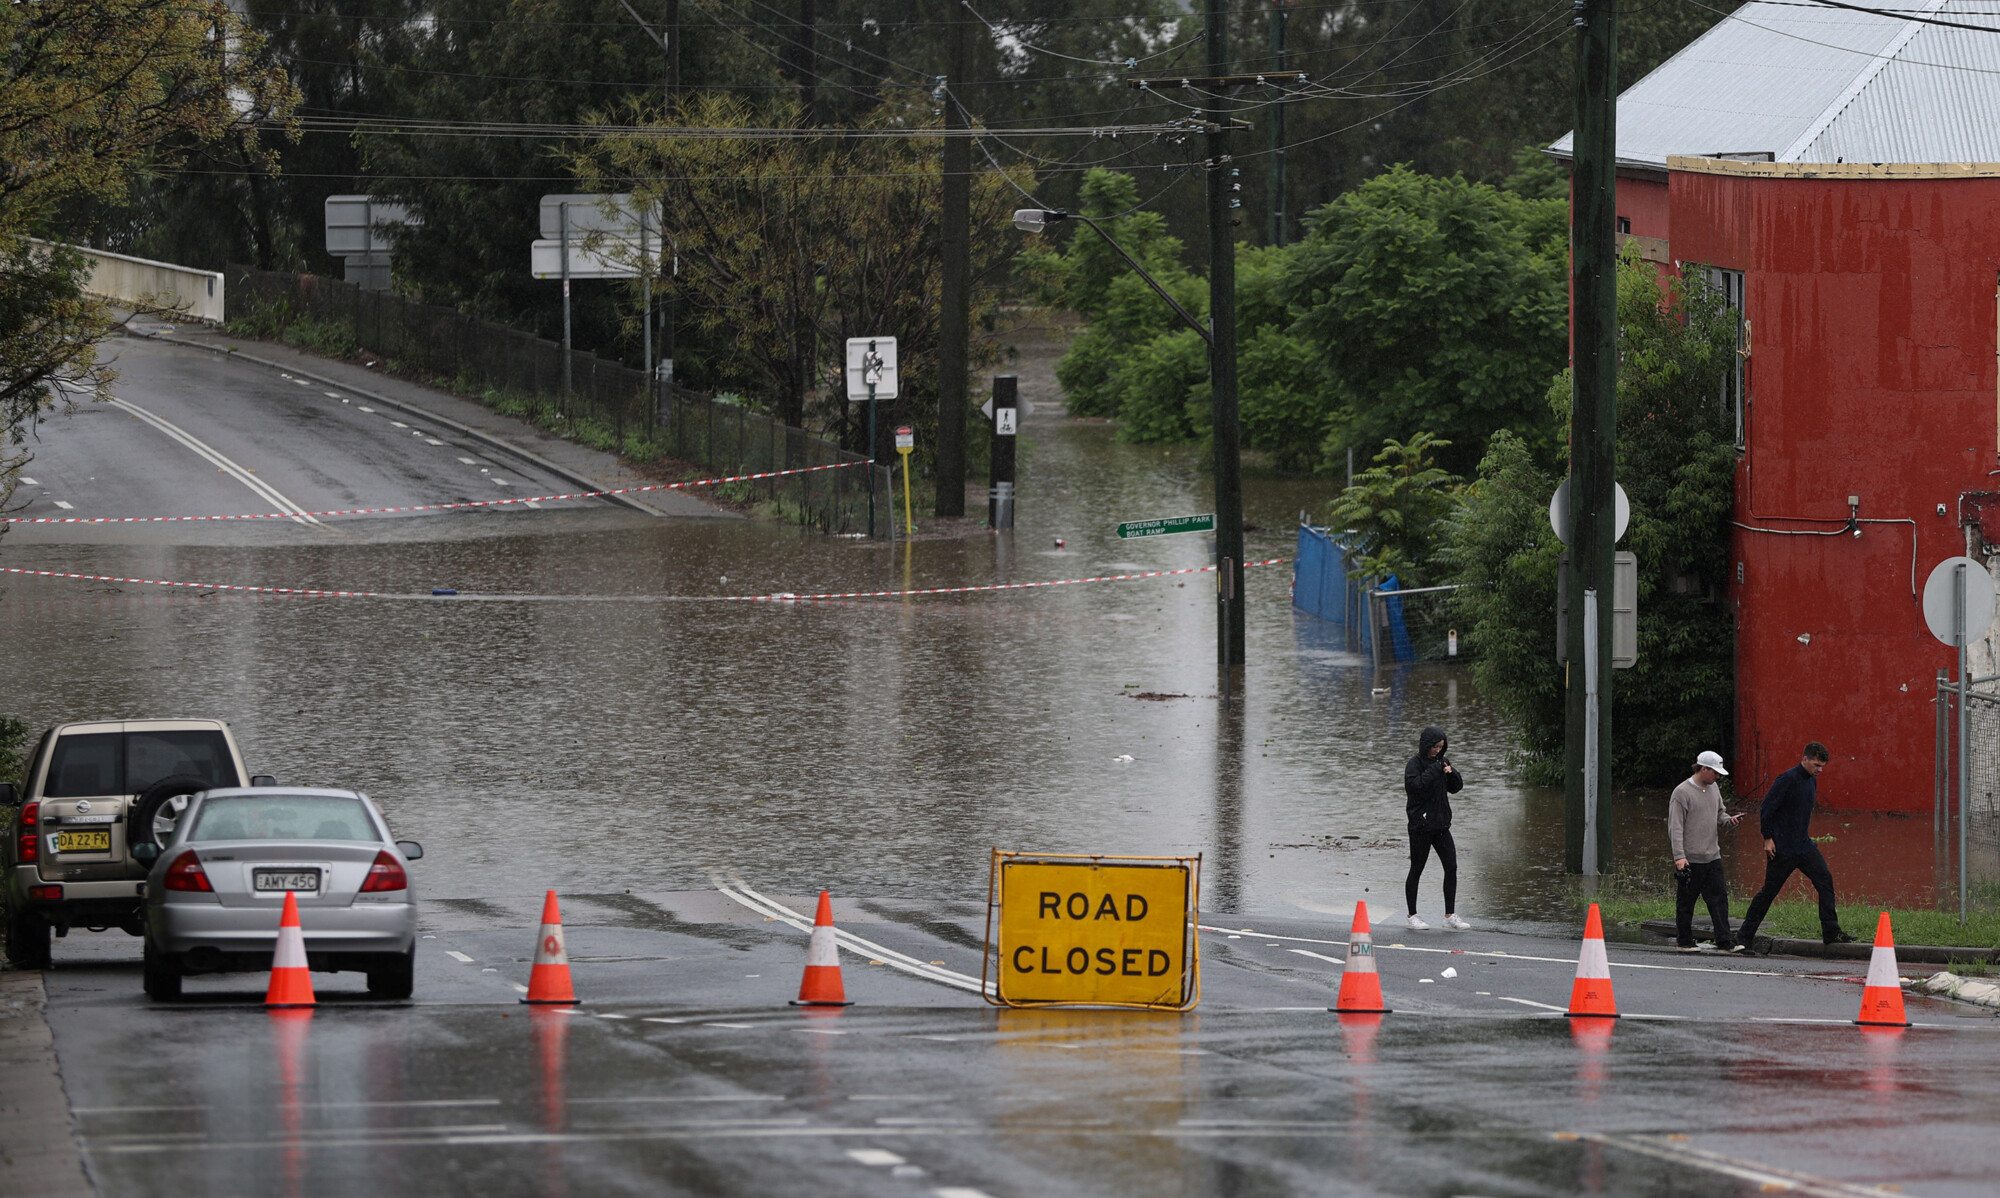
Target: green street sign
[{"x": 1167, "y": 526}]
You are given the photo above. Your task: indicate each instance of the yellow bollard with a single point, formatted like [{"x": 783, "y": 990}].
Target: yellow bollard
[{"x": 906, "y": 442}]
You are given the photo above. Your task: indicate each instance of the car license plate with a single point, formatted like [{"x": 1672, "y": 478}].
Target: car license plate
[
  {"x": 285, "y": 879},
  {"x": 98, "y": 841}
]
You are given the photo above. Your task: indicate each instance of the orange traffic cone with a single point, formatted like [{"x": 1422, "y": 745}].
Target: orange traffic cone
[
  {"x": 1590, "y": 996},
  {"x": 291, "y": 981},
  {"x": 1360, "y": 986},
  {"x": 548, "y": 981},
  {"x": 821, "y": 986},
  {"x": 1882, "y": 997}
]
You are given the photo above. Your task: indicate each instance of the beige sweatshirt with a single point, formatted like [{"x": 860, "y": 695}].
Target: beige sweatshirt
[{"x": 1693, "y": 815}]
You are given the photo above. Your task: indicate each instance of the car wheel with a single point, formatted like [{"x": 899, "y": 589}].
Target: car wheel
[
  {"x": 163, "y": 975},
  {"x": 153, "y": 816},
  {"x": 395, "y": 981},
  {"x": 27, "y": 940}
]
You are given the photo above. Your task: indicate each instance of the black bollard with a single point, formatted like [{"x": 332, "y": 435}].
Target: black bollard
[{"x": 1006, "y": 421}]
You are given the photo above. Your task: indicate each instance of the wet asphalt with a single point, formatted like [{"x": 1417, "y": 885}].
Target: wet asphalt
[{"x": 686, "y": 1072}]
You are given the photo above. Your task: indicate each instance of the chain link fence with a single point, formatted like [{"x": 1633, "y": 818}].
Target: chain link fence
[
  {"x": 1979, "y": 806},
  {"x": 1411, "y": 625},
  {"x": 607, "y": 404}
]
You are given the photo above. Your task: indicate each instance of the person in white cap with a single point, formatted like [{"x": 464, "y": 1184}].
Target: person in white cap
[{"x": 1694, "y": 815}]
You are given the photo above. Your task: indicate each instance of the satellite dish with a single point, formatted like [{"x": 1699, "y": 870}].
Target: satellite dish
[{"x": 1559, "y": 513}]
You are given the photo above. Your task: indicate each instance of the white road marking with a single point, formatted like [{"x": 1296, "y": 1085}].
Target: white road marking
[
  {"x": 881, "y": 1158},
  {"x": 1507, "y": 956},
  {"x": 360, "y": 408},
  {"x": 679, "y": 1098},
  {"x": 31, "y": 482},
  {"x": 958, "y": 1192},
  {"x": 399, "y": 424},
  {"x": 1306, "y": 952},
  {"x": 503, "y": 482},
  {"x": 215, "y": 458},
  {"x": 433, "y": 440},
  {"x": 771, "y": 909},
  {"x": 663, "y": 1019},
  {"x": 334, "y": 395},
  {"x": 822, "y": 1031},
  {"x": 735, "y": 1027},
  {"x": 1765, "y": 1177},
  {"x": 455, "y": 955},
  {"x": 302, "y": 382},
  {"x": 59, "y": 503},
  {"x": 518, "y": 986},
  {"x": 468, "y": 461},
  {"x": 1529, "y": 1002},
  {"x": 609, "y": 1015}
]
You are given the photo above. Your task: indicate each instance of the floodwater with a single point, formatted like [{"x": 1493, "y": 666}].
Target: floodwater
[{"x": 616, "y": 731}]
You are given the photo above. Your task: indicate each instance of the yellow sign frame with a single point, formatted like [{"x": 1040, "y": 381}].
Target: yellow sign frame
[{"x": 1108, "y": 947}]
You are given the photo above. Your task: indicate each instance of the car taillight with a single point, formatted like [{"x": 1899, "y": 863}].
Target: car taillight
[
  {"x": 45, "y": 894},
  {"x": 187, "y": 874},
  {"x": 30, "y": 827},
  {"x": 386, "y": 874}
]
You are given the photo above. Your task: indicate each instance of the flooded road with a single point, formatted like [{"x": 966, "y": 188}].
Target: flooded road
[{"x": 615, "y": 726}]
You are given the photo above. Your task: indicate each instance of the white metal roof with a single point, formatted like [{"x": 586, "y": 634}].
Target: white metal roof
[{"x": 1804, "y": 83}]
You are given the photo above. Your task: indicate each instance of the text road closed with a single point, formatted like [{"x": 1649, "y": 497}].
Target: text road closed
[{"x": 1089, "y": 933}]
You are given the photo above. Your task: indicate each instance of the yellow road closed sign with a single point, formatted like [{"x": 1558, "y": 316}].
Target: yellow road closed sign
[{"x": 1098, "y": 931}]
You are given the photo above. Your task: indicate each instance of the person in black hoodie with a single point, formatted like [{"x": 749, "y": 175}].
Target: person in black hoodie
[
  {"x": 1427, "y": 781},
  {"x": 1785, "y": 816}
]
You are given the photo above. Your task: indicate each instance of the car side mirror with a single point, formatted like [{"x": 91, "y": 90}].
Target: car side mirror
[
  {"x": 8, "y": 795},
  {"x": 146, "y": 853},
  {"x": 411, "y": 850},
  {"x": 263, "y": 779}
]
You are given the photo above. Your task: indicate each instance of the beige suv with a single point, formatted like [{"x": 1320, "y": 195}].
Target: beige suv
[{"x": 92, "y": 791}]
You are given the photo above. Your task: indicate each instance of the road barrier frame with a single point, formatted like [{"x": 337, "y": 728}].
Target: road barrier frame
[{"x": 992, "y": 973}]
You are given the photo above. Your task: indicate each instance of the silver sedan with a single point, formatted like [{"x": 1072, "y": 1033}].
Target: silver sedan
[{"x": 217, "y": 889}]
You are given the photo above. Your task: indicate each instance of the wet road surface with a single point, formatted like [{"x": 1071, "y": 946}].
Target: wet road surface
[
  {"x": 614, "y": 729},
  {"x": 685, "y": 1072}
]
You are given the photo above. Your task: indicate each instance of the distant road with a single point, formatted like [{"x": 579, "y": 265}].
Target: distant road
[{"x": 191, "y": 433}]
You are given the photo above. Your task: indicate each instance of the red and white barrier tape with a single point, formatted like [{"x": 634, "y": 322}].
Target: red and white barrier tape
[
  {"x": 780, "y": 597},
  {"x": 425, "y": 507}
]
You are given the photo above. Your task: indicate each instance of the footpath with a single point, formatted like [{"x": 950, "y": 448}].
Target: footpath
[{"x": 586, "y": 468}]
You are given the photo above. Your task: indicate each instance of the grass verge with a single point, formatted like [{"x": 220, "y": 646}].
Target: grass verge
[{"x": 1799, "y": 918}]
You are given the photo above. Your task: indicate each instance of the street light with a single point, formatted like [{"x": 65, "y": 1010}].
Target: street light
[
  {"x": 1222, "y": 400},
  {"x": 1034, "y": 220}
]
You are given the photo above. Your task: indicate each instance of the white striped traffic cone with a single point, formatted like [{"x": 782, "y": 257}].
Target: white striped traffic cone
[
  {"x": 548, "y": 979},
  {"x": 1882, "y": 995},
  {"x": 821, "y": 985},
  {"x": 1590, "y": 996},
  {"x": 291, "y": 982}
]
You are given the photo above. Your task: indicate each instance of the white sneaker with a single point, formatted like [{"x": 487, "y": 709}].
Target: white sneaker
[
  {"x": 1456, "y": 924},
  {"x": 1417, "y": 924}
]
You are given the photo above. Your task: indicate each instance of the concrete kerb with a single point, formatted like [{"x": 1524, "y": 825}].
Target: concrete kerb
[
  {"x": 39, "y": 1152},
  {"x": 1859, "y": 950},
  {"x": 531, "y": 458}
]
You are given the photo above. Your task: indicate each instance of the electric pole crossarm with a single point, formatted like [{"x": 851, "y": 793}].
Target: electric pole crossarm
[{"x": 1218, "y": 82}]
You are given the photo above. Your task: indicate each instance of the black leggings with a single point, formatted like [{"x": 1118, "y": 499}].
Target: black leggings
[{"x": 1422, "y": 841}]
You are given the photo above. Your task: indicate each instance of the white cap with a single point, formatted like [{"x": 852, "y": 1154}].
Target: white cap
[{"x": 1713, "y": 760}]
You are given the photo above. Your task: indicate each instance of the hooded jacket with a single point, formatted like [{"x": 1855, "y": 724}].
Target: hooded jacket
[{"x": 1427, "y": 784}]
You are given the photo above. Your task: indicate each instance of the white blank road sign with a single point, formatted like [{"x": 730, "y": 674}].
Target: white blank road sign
[
  {"x": 1940, "y": 600},
  {"x": 608, "y": 259},
  {"x": 861, "y": 370},
  {"x": 614, "y": 215},
  {"x": 356, "y": 224}
]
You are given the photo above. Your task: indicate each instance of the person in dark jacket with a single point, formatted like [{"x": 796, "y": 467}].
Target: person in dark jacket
[
  {"x": 1785, "y": 816},
  {"x": 1427, "y": 782}
]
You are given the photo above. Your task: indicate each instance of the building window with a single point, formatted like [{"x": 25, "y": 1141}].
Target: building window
[
  {"x": 1624, "y": 224},
  {"x": 1729, "y": 283}
]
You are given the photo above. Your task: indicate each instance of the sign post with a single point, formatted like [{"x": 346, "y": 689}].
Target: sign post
[
  {"x": 906, "y": 441},
  {"x": 1077, "y": 930},
  {"x": 1957, "y": 609},
  {"x": 871, "y": 375}
]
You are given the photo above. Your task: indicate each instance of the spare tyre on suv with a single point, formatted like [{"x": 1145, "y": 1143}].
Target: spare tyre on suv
[{"x": 91, "y": 793}]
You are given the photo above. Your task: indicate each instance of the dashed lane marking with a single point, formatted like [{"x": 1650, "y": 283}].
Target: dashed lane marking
[
  {"x": 64, "y": 506},
  {"x": 455, "y": 955},
  {"x": 880, "y": 1158},
  {"x": 1306, "y": 952},
  {"x": 1529, "y": 1002},
  {"x": 734, "y": 1027}
]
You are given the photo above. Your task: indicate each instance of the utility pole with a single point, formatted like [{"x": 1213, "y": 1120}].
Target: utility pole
[
  {"x": 1275, "y": 230},
  {"x": 954, "y": 316},
  {"x": 1593, "y": 438},
  {"x": 1224, "y": 200}
]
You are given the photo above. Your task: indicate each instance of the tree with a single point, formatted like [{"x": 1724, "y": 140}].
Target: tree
[
  {"x": 790, "y": 244},
  {"x": 1436, "y": 304},
  {"x": 91, "y": 96},
  {"x": 1395, "y": 510},
  {"x": 1676, "y": 460}
]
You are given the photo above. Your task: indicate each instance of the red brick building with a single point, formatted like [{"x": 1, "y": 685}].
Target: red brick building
[{"x": 1839, "y": 175}]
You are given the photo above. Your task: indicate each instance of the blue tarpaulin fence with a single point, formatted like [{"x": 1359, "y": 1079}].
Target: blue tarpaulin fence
[{"x": 1323, "y": 586}]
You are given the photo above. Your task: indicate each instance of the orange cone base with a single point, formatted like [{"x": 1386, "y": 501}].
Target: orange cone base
[
  {"x": 1360, "y": 994},
  {"x": 1886, "y": 1009},
  {"x": 1362, "y": 1010},
  {"x": 821, "y": 1002},
  {"x": 1590, "y": 1014},
  {"x": 552, "y": 1002}
]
